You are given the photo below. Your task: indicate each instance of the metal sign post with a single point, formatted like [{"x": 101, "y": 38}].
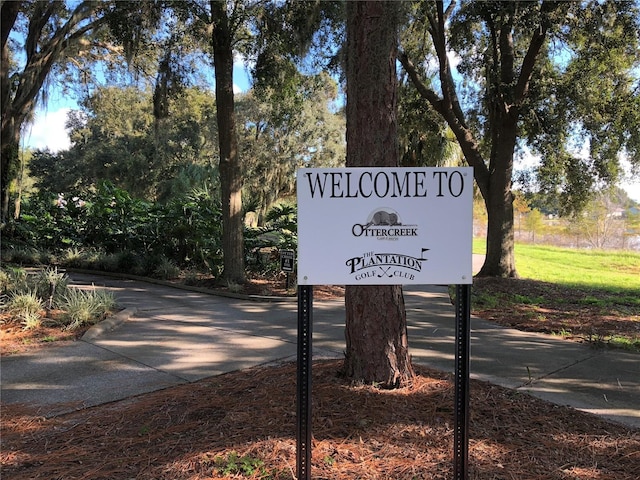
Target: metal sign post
[
  {"x": 305, "y": 328},
  {"x": 463, "y": 340}
]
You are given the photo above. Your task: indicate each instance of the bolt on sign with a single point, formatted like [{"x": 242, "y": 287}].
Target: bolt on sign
[{"x": 385, "y": 226}]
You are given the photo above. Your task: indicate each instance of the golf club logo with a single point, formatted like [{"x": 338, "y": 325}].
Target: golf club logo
[{"x": 386, "y": 265}]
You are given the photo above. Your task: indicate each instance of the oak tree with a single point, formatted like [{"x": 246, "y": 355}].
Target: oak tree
[
  {"x": 49, "y": 33},
  {"x": 546, "y": 74}
]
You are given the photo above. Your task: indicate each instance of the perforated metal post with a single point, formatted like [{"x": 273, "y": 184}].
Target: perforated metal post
[
  {"x": 305, "y": 328},
  {"x": 463, "y": 340}
]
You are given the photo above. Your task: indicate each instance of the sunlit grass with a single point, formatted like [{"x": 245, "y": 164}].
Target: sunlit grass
[{"x": 613, "y": 270}]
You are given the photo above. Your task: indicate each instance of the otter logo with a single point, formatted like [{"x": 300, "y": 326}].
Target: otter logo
[{"x": 384, "y": 224}]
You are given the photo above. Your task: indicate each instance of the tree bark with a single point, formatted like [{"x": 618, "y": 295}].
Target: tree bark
[
  {"x": 376, "y": 324},
  {"x": 10, "y": 140},
  {"x": 230, "y": 172}
]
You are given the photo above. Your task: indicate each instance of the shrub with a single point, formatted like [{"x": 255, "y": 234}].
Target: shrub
[
  {"x": 86, "y": 307},
  {"x": 25, "y": 307},
  {"x": 51, "y": 285},
  {"x": 13, "y": 280},
  {"x": 166, "y": 269},
  {"x": 22, "y": 256}
]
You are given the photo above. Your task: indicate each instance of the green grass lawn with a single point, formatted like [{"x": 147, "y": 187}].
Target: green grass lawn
[{"x": 611, "y": 270}]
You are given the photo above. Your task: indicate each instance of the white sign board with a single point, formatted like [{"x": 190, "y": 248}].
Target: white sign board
[{"x": 384, "y": 226}]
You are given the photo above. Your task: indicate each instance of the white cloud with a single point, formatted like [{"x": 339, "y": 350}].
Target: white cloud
[{"x": 47, "y": 131}]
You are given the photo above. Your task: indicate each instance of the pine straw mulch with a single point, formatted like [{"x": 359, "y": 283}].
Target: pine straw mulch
[
  {"x": 581, "y": 315},
  {"x": 14, "y": 338},
  {"x": 195, "y": 431}
]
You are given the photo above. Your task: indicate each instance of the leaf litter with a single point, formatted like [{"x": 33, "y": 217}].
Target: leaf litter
[{"x": 193, "y": 431}]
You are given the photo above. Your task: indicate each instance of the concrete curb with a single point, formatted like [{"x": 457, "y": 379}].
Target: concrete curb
[
  {"x": 108, "y": 324},
  {"x": 181, "y": 286}
]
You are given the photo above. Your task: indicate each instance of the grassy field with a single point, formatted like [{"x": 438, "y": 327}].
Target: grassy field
[{"x": 612, "y": 269}]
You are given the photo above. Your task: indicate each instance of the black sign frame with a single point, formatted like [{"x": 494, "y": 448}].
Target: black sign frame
[{"x": 461, "y": 397}]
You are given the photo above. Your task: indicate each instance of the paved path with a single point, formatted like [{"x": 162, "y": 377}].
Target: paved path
[{"x": 172, "y": 336}]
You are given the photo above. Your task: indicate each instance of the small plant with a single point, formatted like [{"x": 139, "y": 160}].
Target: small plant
[
  {"x": 26, "y": 308},
  {"x": 108, "y": 262},
  {"x": 632, "y": 344},
  {"x": 51, "y": 285},
  {"x": 526, "y": 300},
  {"x": 74, "y": 257},
  {"x": 564, "y": 333},
  {"x": 234, "y": 287},
  {"x": 86, "y": 307},
  {"x": 166, "y": 269},
  {"x": 484, "y": 300},
  {"x": 191, "y": 277},
  {"x": 32, "y": 321},
  {"x": 14, "y": 280},
  {"x": 5, "y": 281},
  {"x": 233, "y": 464},
  {"x": 23, "y": 256}
]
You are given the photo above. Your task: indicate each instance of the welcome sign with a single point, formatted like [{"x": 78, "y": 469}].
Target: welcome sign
[{"x": 384, "y": 226}]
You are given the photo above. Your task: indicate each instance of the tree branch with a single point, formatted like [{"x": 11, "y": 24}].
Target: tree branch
[
  {"x": 537, "y": 41},
  {"x": 423, "y": 90},
  {"x": 9, "y": 14}
]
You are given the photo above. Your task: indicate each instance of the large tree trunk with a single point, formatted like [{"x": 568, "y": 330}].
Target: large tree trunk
[
  {"x": 9, "y": 136},
  {"x": 230, "y": 172},
  {"x": 43, "y": 48},
  {"x": 509, "y": 90},
  {"x": 376, "y": 324},
  {"x": 500, "y": 255},
  {"x": 9, "y": 167}
]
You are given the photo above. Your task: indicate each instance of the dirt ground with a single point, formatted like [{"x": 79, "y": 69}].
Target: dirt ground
[
  {"x": 576, "y": 314},
  {"x": 243, "y": 424}
]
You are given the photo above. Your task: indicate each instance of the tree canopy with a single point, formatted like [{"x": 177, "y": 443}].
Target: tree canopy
[
  {"x": 559, "y": 78},
  {"x": 550, "y": 75}
]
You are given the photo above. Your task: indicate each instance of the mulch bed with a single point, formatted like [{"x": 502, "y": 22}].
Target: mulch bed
[
  {"x": 245, "y": 422},
  {"x": 557, "y": 309}
]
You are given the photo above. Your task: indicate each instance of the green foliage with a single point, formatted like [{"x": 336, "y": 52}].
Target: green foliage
[
  {"x": 276, "y": 138},
  {"x": 115, "y": 138},
  {"x": 28, "y": 294},
  {"x": 86, "y": 307},
  {"x": 166, "y": 269},
  {"x": 278, "y": 233},
  {"x": 233, "y": 464},
  {"x": 50, "y": 284},
  {"x": 586, "y": 95},
  {"x": 111, "y": 230},
  {"x": 116, "y": 221},
  {"x": 189, "y": 230},
  {"x": 25, "y": 307}
]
